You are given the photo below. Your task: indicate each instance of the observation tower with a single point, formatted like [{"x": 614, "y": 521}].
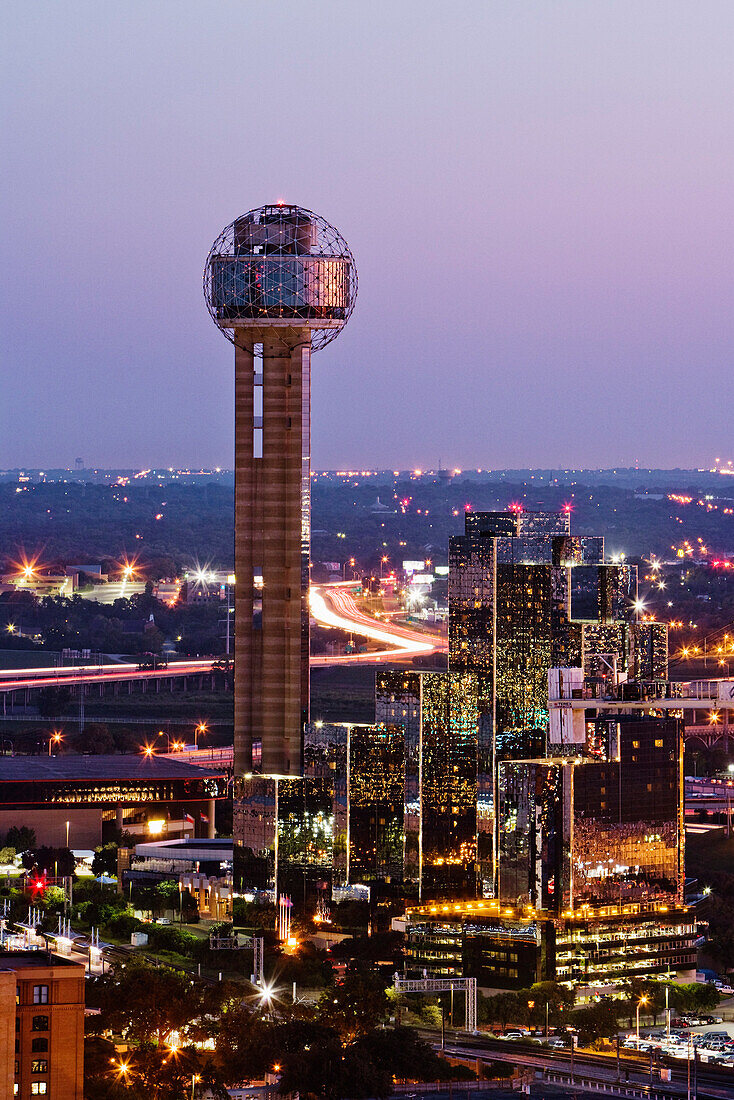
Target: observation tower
[{"x": 279, "y": 282}]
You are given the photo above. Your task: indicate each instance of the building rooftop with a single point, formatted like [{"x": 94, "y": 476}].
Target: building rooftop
[
  {"x": 67, "y": 768},
  {"x": 33, "y": 960},
  {"x": 190, "y": 850}
]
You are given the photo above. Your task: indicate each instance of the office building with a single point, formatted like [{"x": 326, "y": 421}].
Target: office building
[
  {"x": 596, "y": 829},
  {"x": 279, "y": 282},
  {"x": 439, "y": 713},
  {"x": 392, "y": 805},
  {"x": 42, "y": 1028},
  {"x": 526, "y": 596},
  {"x": 594, "y": 949}
]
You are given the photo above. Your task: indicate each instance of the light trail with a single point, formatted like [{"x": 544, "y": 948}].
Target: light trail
[
  {"x": 331, "y": 605},
  {"x": 344, "y": 614}
]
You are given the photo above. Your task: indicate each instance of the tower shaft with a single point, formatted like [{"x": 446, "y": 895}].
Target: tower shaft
[{"x": 272, "y": 541}]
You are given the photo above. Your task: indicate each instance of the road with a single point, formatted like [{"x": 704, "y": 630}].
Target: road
[
  {"x": 331, "y": 605},
  {"x": 334, "y": 605},
  {"x": 716, "y": 1083}
]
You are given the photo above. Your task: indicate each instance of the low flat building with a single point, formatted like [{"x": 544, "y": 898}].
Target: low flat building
[
  {"x": 591, "y": 949},
  {"x": 41, "y": 1026},
  {"x": 84, "y": 800}
]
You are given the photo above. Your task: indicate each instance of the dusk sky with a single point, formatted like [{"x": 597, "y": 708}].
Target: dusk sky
[{"x": 538, "y": 196}]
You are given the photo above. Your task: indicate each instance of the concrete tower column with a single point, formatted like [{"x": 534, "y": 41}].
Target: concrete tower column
[
  {"x": 247, "y": 656},
  {"x": 272, "y": 539},
  {"x": 280, "y": 282}
]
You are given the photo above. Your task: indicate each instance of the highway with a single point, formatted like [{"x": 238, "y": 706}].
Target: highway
[
  {"x": 713, "y": 1082},
  {"x": 334, "y": 605},
  {"x": 19, "y": 678},
  {"x": 331, "y": 605}
]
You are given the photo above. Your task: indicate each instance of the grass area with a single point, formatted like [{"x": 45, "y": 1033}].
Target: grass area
[
  {"x": 343, "y": 694},
  {"x": 190, "y": 704}
]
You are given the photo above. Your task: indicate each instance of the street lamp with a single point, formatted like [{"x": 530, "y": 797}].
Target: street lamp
[
  {"x": 642, "y": 1001},
  {"x": 200, "y": 729},
  {"x": 195, "y": 1078},
  {"x": 162, "y": 733},
  {"x": 55, "y": 739}
]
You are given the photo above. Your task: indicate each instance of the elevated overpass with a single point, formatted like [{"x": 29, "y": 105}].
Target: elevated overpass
[{"x": 331, "y": 605}]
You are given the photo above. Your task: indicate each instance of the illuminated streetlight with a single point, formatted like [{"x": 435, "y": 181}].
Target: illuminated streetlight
[
  {"x": 642, "y": 1001},
  {"x": 202, "y": 728},
  {"x": 55, "y": 739}
]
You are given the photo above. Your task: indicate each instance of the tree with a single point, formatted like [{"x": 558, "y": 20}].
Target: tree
[
  {"x": 94, "y": 739},
  {"x": 21, "y": 838},
  {"x": 105, "y": 860},
  {"x": 355, "y": 1005},
  {"x": 246, "y": 1045},
  {"x": 503, "y": 1009},
  {"x": 53, "y": 701},
  {"x": 146, "y": 1002},
  {"x": 405, "y": 1055},
  {"x": 52, "y": 861},
  {"x": 597, "y": 1021}
]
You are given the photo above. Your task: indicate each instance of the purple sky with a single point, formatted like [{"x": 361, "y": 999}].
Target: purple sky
[{"x": 538, "y": 196}]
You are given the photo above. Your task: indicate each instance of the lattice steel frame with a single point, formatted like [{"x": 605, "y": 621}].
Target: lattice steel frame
[
  {"x": 444, "y": 985},
  {"x": 328, "y": 245}
]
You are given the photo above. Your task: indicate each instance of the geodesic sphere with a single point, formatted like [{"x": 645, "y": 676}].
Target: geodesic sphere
[{"x": 281, "y": 266}]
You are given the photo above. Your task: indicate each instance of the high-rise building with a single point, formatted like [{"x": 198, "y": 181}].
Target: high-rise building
[
  {"x": 526, "y": 596},
  {"x": 42, "y": 1031},
  {"x": 393, "y": 805},
  {"x": 439, "y": 712},
  {"x": 601, "y": 828},
  {"x": 279, "y": 282}
]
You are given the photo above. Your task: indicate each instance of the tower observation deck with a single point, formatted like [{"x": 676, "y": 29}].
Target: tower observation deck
[{"x": 280, "y": 282}]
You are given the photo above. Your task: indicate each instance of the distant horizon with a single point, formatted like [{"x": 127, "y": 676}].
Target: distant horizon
[{"x": 364, "y": 471}]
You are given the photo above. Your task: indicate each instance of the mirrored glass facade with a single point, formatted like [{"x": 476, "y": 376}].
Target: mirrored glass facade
[
  {"x": 627, "y": 835},
  {"x": 440, "y": 715},
  {"x": 532, "y": 829},
  {"x": 603, "y": 829}
]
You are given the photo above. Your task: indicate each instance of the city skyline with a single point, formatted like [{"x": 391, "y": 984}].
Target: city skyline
[{"x": 575, "y": 163}]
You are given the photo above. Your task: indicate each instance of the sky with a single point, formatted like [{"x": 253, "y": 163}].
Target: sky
[{"x": 538, "y": 196}]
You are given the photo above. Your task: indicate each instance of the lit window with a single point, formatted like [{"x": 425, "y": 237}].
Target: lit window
[
  {"x": 39, "y": 1088},
  {"x": 39, "y": 1065},
  {"x": 659, "y": 744}
]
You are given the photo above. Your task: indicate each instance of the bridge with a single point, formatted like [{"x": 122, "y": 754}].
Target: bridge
[{"x": 331, "y": 605}]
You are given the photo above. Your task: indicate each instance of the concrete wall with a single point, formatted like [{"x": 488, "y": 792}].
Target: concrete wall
[{"x": 85, "y": 824}]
